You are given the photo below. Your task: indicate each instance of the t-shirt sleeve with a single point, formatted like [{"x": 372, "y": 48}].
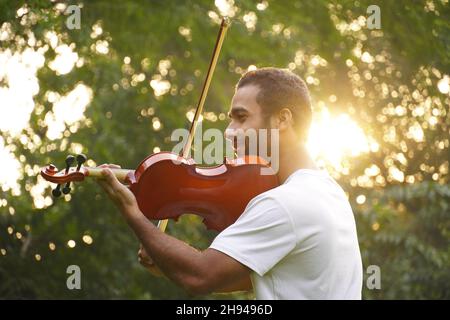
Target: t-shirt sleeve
[{"x": 260, "y": 237}]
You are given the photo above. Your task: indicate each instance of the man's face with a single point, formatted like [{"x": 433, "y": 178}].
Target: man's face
[{"x": 245, "y": 114}]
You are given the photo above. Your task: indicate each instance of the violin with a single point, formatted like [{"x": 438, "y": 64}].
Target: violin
[{"x": 167, "y": 185}]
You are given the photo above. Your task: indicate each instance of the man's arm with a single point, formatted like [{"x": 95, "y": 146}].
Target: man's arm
[
  {"x": 146, "y": 261},
  {"x": 198, "y": 272},
  {"x": 244, "y": 284}
]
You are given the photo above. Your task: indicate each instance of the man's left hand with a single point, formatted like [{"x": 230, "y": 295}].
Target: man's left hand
[{"x": 119, "y": 193}]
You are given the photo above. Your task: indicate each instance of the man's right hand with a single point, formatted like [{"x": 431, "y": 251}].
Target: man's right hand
[{"x": 145, "y": 260}]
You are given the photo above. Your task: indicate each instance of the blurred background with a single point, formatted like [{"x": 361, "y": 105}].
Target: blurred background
[{"x": 116, "y": 87}]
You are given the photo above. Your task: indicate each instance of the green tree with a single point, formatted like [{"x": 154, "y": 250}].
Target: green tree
[{"x": 140, "y": 65}]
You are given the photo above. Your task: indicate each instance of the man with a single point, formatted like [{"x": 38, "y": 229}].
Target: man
[{"x": 296, "y": 241}]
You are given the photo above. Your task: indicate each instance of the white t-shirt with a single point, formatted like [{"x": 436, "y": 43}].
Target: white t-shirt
[{"x": 299, "y": 239}]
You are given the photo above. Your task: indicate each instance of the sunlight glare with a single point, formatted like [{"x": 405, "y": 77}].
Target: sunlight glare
[
  {"x": 333, "y": 138},
  {"x": 226, "y": 7},
  {"x": 18, "y": 71},
  {"x": 160, "y": 87},
  {"x": 67, "y": 110},
  {"x": 64, "y": 60},
  {"x": 444, "y": 85},
  {"x": 10, "y": 169}
]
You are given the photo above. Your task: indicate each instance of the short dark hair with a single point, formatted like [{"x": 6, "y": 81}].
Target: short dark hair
[{"x": 281, "y": 88}]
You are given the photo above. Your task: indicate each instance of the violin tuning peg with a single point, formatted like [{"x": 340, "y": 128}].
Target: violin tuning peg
[
  {"x": 69, "y": 161},
  {"x": 66, "y": 189},
  {"x": 81, "y": 158},
  {"x": 57, "y": 191}
]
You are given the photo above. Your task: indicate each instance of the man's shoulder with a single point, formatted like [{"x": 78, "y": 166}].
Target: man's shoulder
[
  {"x": 303, "y": 194},
  {"x": 285, "y": 197},
  {"x": 295, "y": 188}
]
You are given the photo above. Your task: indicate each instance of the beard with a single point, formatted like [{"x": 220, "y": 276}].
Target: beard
[{"x": 252, "y": 142}]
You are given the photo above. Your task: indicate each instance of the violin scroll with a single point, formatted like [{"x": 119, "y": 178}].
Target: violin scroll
[{"x": 66, "y": 176}]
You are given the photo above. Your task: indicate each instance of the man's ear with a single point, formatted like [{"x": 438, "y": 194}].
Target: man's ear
[{"x": 284, "y": 119}]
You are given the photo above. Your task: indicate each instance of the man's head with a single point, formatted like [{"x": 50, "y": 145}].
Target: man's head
[{"x": 272, "y": 98}]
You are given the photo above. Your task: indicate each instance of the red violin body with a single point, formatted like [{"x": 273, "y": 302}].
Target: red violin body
[{"x": 167, "y": 186}]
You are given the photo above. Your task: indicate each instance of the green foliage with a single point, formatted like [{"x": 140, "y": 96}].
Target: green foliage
[
  {"x": 411, "y": 54},
  {"x": 405, "y": 231}
]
